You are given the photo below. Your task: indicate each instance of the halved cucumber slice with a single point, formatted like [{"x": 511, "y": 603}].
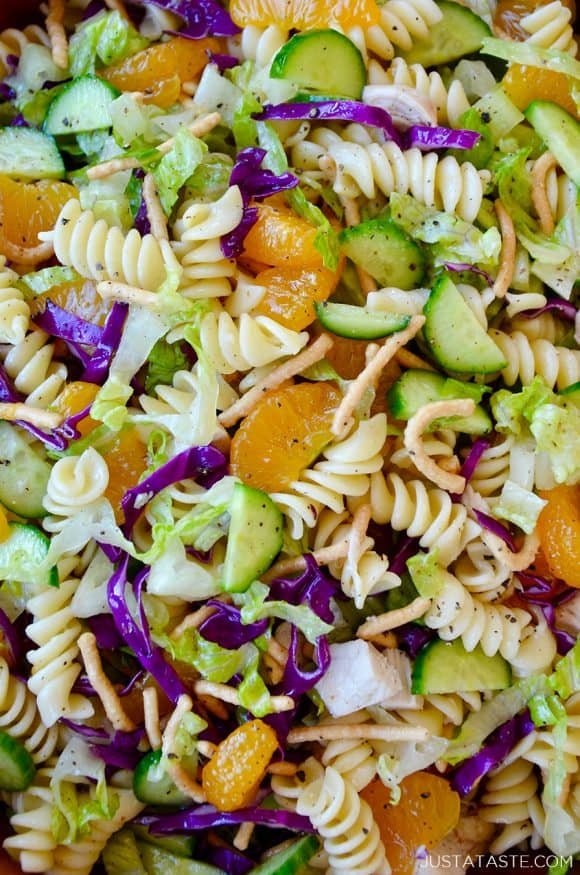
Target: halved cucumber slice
[
  {"x": 180, "y": 845},
  {"x": 29, "y": 154},
  {"x": 457, "y": 341},
  {"x": 322, "y": 60},
  {"x": 384, "y": 251},
  {"x": 416, "y": 388},
  {"x": 460, "y": 32},
  {"x": 291, "y": 859},
  {"x": 84, "y": 105},
  {"x": 24, "y": 474},
  {"x": 152, "y": 785},
  {"x": 560, "y": 132},
  {"x": 160, "y": 862},
  {"x": 121, "y": 855},
  {"x": 254, "y": 537},
  {"x": 17, "y": 767},
  {"x": 22, "y": 554},
  {"x": 447, "y": 667},
  {"x": 358, "y": 323}
]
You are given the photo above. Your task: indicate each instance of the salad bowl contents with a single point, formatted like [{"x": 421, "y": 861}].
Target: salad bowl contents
[{"x": 289, "y": 436}]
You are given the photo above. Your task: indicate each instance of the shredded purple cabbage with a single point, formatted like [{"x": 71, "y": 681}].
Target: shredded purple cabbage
[
  {"x": 85, "y": 731},
  {"x": 141, "y": 221},
  {"x": 230, "y": 861},
  {"x": 492, "y": 525},
  {"x": 94, "y": 7},
  {"x": 189, "y": 463},
  {"x": 560, "y": 307},
  {"x": 138, "y": 639},
  {"x": 98, "y": 367},
  {"x": 254, "y": 183},
  {"x": 408, "y": 548},
  {"x": 57, "y": 439},
  {"x": 473, "y": 457},
  {"x": 6, "y": 92},
  {"x": 60, "y": 323},
  {"x": 312, "y": 587},
  {"x": 11, "y": 638},
  {"x": 223, "y": 62},
  {"x": 112, "y": 756},
  {"x": 546, "y": 595},
  {"x": 412, "y": 638},
  {"x": 426, "y": 138},
  {"x": 106, "y": 633},
  {"x": 339, "y": 110},
  {"x": 202, "y": 17},
  {"x": 208, "y": 817},
  {"x": 225, "y": 627},
  {"x": 460, "y": 267},
  {"x": 19, "y": 121},
  {"x": 498, "y": 746}
]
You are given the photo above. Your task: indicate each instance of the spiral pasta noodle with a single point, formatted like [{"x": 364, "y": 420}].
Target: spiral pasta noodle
[
  {"x": 483, "y": 574},
  {"x": 14, "y": 41},
  {"x": 510, "y": 800},
  {"x": 14, "y": 311},
  {"x": 260, "y": 44},
  {"x": 350, "y": 835},
  {"x": 197, "y": 232},
  {"x": 558, "y": 366},
  {"x": 248, "y": 342},
  {"x": 99, "y": 252},
  {"x": 423, "y": 512},
  {"x": 371, "y": 167},
  {"x": 54, "y": 663},
  {"x": 74, "y": 482},
  {"x": 287, "y": 788},
  {"x": 19, "y": 717},
  {"x": 402, "y": 22},
  {"x": 33, "y": 843},
  {"x": 549, "y": 28},
  {"x": 31, "y": 365},
  {"x": 449, "y": 102},
  {"x": 545, "y": 326},
  {"x": 493, "y": 468}
]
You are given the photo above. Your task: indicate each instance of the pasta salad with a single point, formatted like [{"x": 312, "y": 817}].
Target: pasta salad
[{"x": 289, "y": 437}]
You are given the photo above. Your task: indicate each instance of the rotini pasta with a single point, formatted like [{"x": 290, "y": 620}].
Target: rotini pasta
[
  {"x": 557, "y": 365},
  {"x": 483, "y": 574},
  {"x": 33, "y": 843},
  {"x": 197, "y": 232},
  {"x": 35, "y": 373},
  {"x": 370, "y": 167},
  {"x": 345, "y": 822},
  {"x": 74, "y": 482},
  {"x": 510, "y": 800},
  {"x": 449, "y": 103},
  {"x": 14, "y": 311},
  {"x": 14, "y": 41},
  {"x": 402, "y": 23},
  {"x": 493, "y": 468},
  {"x": 100, "y": 252},
  {"x": 19, "y": 717},
  {"x": 260, "y": 44},
  {"x": 549, "y": 27},
  {"x": 54, "y": 663}
]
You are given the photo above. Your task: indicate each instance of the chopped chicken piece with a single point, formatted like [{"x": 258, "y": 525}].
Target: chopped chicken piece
[
  {"x": 359, "y": 676},
  {"x": 404, "y": 698}
]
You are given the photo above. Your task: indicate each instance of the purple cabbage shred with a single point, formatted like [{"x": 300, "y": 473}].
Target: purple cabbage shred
[{"x": 225, "y": 627}]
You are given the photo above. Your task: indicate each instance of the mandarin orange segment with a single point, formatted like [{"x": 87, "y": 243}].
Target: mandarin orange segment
[
  {"x": 26, "y": 208},
  {"x": 126, "y": 459},
  {"x": 292, "y": 293},
  {"x": 4, "y": 527},
  {"x": 428, "y": 810},
  {"x": 305, "y": 14},
  {"x": 234, "y": 773},
  {"x": 522, "y": 84},
  {"x": 559, "y": 533},
  {"x": 283, "y": 435},
  {"x": 75, "y": 397},
  {"x": 78, "y": 297},
  {"x": 160, "y": 70},
  {"x": 281, "y": 238}
]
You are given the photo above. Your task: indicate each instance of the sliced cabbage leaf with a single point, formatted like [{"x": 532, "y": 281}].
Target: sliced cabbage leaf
[
  {"x": 101, "y": 40},
  {"x": 519, "y": 506}
]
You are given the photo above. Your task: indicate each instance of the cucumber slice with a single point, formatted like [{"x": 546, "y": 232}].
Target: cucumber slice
[
  {"x": 29, "y": 154},
  {"x": 447, "y": 667},
  {"x": 560, "y": 132},
  {"x": 84, "y": 105},
  {"x": 416, "y": 388},
  {"x": 291, "y": 859},
  {"x": 358, "y": 323},
  {"x": 24, "y": 474},
  {"x": 460, "y": 32},
  {"x": 17, "y": 767},
  {"x": 121, "y": 855},
  {"x": 160, "y": 862},
  {"x": 322, "y": 60},
  {"x": 22, "y": 553},
  {"x": 180, "y": 845},
  {"x": 254, "y": 537},
  {"x": 571, "y": 393},
  {"x": 455, "y": 338},
  {"x": 153, "y": 786},
  {"x": 392, "y": 258}
]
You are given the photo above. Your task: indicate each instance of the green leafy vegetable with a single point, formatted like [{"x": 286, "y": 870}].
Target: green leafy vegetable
[
  {"x": 177, "y": 166},
  {"x": 519, "y": 506},
  {"x": 254, "y": 607},
  {"x": 164, "y": 361},
  {"x": 103, "y": 39}
]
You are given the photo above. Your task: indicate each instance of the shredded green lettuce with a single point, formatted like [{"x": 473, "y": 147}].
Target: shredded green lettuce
[
  {"x": 164, "y": 361},
  {"x": 427, "y": 575},
  {"x": 255, "y": 607},
  {"x": 102, "y": 40},
  {"x": 531, "y": 55},
  {"x": 177, "y": 166},
  {"x": 519, "y": 506},
  {"x": 41, "y": 281}
]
